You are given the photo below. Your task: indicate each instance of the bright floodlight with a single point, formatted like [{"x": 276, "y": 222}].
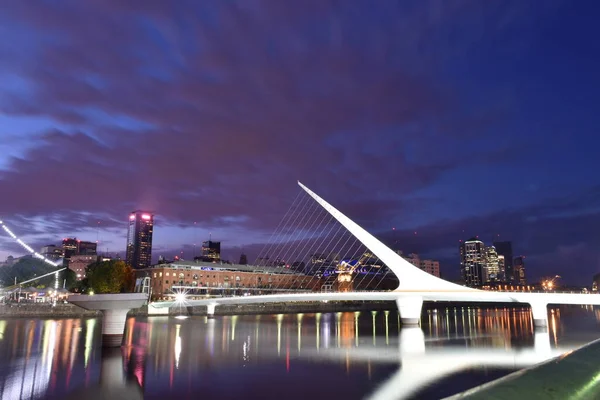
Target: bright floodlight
[{"x": 180, "y": 297}]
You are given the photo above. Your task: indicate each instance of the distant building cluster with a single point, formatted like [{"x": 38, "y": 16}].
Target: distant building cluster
[
  {"x": 430, "y": 266},
  {"x": 492, "y": 267},
  {"x": 483, "y": 265},
  {"x": 70, "y": 247},
  {"x": 76, "y": 254}
]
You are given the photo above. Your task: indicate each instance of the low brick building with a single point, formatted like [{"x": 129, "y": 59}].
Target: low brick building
[
  {"x": 200, "y": 279},
  {"x": 79, "y": 263}
]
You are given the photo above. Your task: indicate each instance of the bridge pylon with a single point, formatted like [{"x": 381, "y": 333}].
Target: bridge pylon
[
  {"x": 410, "y": 277},
  {"x": 539, "y": 311},
  {"x": 410, "y": 310}
]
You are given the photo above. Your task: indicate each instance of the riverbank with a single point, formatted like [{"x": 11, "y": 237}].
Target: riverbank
[
  {"x": 571, "y": 376},
  {"x": 288, "y": 308},
  {"x": 330, "y": 306},
  {"x": 43, "y": 310},
  {"x": 66, "y": 310}
]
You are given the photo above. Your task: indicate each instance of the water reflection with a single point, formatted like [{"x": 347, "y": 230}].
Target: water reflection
[
  {"x": 44, "y": 358},
  {"x": 349, "y": 354}
]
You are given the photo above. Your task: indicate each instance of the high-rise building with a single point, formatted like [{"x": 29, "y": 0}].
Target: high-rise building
[
  {"x": 139, "y": 239},
  {"x": 86, "y": 248},
  {"x": 519, "y": 270},
  {"x": 473, "y": 262},
  {"x": 69, "y": 247},
  {"x": 243, "y": 259},
  {"x": 492, "y": 267},
  {"x": 75, "y": 247},
  {"x": 501, "y": 264},
  {"x": 211, "y": 250},
  {"x": 52, "y": 252},
  {"x": 505, "y": 249}
]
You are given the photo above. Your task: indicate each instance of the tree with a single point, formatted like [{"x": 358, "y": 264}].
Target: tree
[
  {"x": 70, "y": 278},
  {"x": 110, "y": 277},
  {"x": 27, "y": 268}
]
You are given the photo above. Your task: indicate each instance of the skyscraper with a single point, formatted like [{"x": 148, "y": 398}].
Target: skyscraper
[
  {"x": 76, "y": 247},
  {"x": 139, "y": 239},
  {"x": 502, "y": 277},
  {"x": 473, "y": 262},
  {"x": 505, "y": 249},
  {"x": 519, "y": 270},
  {"x": 211, "y": 251},
  {"x": 492, "y": 270},
  {"x": 69, "y": 247}
]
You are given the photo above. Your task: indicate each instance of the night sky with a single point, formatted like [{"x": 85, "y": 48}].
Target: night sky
[{"x": 446, "y": 118}]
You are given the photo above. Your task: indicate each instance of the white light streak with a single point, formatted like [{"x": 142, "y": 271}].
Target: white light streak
[{"x": 28, "y": 248}]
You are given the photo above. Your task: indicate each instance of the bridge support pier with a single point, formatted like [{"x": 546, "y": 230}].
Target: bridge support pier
[
  {"x": 210, "y": 310},
  {"x": 114, "y": 308},
  {"x": 410, "y": 310},
  {"x": 412, "y": 340},
  {"x": 539, "y": 312}
]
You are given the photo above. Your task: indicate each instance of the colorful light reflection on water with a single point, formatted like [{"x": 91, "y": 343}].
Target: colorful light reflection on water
[{"x": 346, "y": 354}]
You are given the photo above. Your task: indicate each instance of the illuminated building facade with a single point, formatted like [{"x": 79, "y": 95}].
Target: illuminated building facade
[
  {"x": 211, "y": 251},
  {"x": 492, "y": 267},
  {"x": 501, "y": 268},
  {"x": 473, "y": 262},
  {"x": 69, "y": 247},
  {"x": 139, "y": 239},
  {"x": 200, "y": 279},
  {"x": 75, "y": 247}
]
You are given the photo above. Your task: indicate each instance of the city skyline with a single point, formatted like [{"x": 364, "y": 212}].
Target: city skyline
[
  {"x": 389, "y": 113},
  {"x": 211, "y": 251}
]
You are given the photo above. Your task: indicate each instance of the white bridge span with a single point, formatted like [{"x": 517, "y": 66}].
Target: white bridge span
[{"x": 415, "y": 285}]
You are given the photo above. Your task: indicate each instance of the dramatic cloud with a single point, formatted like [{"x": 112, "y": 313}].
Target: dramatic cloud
[{"x": 401, "y": 115}]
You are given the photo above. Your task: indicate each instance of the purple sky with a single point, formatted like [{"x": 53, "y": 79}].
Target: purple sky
[{"x": 452, "y": 119}]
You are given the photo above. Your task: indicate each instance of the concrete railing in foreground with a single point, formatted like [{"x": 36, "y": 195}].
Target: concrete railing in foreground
[{"x": 573, "y": 376}]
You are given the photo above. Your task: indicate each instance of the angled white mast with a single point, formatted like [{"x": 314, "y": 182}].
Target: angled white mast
[{"x": 410, "y": 277}]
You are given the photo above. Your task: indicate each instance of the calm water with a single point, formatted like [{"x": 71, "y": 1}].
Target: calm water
[{"x": 342, "y": 355}]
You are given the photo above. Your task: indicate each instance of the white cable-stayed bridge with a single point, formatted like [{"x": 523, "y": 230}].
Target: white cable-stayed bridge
[{"x": 414, "y": 287}]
